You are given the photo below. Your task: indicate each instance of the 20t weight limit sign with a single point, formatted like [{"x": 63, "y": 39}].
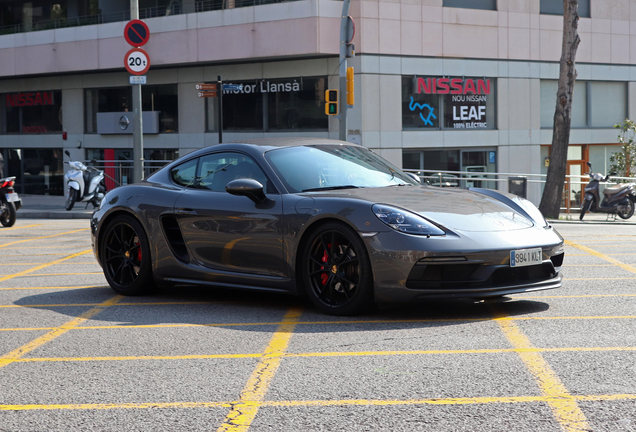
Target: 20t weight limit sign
[{"x": 137, "y": 61}]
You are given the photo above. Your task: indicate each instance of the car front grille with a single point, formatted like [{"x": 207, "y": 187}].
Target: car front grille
[{"x": 471, "y": 275}]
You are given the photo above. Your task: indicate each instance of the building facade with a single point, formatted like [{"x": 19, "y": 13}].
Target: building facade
[{"x": 460, "y": 85}]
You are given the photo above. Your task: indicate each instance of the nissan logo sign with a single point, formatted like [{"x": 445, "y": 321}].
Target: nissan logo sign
[{"x": 124, "y": 122}]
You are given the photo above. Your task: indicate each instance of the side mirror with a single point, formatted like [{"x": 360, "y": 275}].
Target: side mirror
[
  {"x": 413, "y": 176},
  {"x": 67, "y": 153},
  {"x": 589, "y": 164},
  {"x": 613, "y": 173},
  {"x": 247, "y": 187}
]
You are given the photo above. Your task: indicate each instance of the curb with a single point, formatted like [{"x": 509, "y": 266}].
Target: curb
[{"x": 52, "y": 215}]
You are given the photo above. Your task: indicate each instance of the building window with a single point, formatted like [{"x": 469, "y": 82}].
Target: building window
[
  {"x": 32, "y": 112},
  {"x": 157, "y": 98},
  {"x": 595, "y": 104},
  {"x": 281, "y": 104},
  {"x": 434, "y": 103},
  {"x": 555, "y": 7},
  {"x": 472, "y": 4}
]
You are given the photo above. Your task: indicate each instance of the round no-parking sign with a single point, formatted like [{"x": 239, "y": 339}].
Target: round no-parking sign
[{"x": 137, "y": 61}]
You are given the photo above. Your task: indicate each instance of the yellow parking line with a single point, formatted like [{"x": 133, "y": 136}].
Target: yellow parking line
[
  {"x": 563, "y": 405},
  {"x": 243, "y": 413},
  {"x": 309, "y": 403},
  {"x": 323, "y": 354},
  {"x": 19, "y": 227},
  {"x": 25, "y": 349},
  {"x": 38, "y": 263},
  {"x": 31, "y": 270},
  {"x": 43, "y": 237},
  {"x": 65, "y": 274},
  {"x": 53, "y": 288},
  {"x": 56, "y": 305}
]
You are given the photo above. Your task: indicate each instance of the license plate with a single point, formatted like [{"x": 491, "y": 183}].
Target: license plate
[
  {"x": 525, "y": 257},
  {"x": 13, "y": 197}
]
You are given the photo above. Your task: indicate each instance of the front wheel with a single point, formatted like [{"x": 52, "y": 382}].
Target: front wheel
[
  {"x": 336, "y": 270},
  {"x": 626, "y": 211},
  {"x": 70, "y": 199},
  {"x": 585, "y": 208},
  {"x": 8, "y": 214},
  {"x": 125, "y": 257}
]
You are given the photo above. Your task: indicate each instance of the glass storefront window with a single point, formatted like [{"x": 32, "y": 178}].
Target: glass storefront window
[
  {"x": 272, "y": 104},
  {"x": 162, "y": 98},
  {"x": 466, "y": 103},
  {"x": 32, "y": 112}
]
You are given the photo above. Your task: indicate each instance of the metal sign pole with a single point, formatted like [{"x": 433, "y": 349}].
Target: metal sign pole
[
  {"x": 138, "y": 139},
  {"x": 343, "y": 69},
  {"x": 220, "y": 106}
]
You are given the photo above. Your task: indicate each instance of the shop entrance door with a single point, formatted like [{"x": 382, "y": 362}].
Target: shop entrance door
[{"x": 478, "y": 162}]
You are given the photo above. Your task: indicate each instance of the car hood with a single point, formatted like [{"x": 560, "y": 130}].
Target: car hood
[{"x": 456, "y": 209}]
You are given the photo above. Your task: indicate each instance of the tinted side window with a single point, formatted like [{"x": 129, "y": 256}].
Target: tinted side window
[
  {"x": 472, "y": 4},
  {"x": 218, "y": 169},
  {"x": 184, "y": 174}
]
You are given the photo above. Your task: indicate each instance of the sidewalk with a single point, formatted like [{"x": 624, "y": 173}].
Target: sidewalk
[{"x": 51, "y": 207}]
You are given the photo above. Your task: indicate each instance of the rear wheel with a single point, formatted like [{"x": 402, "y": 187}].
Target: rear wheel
[
  {"x": 626, "y": 211},
  {"x": 336, "y": 270},
  {"x": 125, "y": 257},
  {"x": 8, "y": 214},
  {"x": 585, "y": 208},
  {"x": 70, "y": 199}
]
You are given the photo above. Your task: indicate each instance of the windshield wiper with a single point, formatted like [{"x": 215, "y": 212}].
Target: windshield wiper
[{"x": 330, "y": 188}]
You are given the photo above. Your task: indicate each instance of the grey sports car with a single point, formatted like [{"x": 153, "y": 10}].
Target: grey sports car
[{"x": 322, "y": 218}]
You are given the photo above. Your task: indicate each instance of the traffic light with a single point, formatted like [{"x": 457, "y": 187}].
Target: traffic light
[
  {"x": 350, "y": 95},
  {"x": 331, "y": 102}
]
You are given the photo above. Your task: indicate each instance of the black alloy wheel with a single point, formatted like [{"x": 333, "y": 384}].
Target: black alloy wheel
[
  {"x": 585, "y": 208},
  {"x": 125, "y": 257},
  {"x": 626, "y": 211},
  {"x": 336, "y": 270},
  {"x": 7, "y": 214}
]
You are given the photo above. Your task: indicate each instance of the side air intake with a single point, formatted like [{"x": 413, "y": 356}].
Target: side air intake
[{"x": 175, "y": 238}]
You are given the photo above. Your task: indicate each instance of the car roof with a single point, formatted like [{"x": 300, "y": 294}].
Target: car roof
[{"x": 290, "y": 141}]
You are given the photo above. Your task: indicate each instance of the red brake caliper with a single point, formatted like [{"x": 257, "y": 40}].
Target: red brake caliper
[
  {"x": 138, "y": 246},
  {"x": 325, "y": 257}
]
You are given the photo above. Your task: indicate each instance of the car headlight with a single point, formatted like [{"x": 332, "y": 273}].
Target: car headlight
[{"x": 405, "y": 221}]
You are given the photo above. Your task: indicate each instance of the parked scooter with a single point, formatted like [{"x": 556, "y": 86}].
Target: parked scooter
[
  {"x": 83, "y": 184},
  {"x": 10, "y": 202},
  {"x": 618, "y": 199}
]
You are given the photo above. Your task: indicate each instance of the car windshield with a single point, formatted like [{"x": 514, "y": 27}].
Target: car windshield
[{"x": 328, "y": 167}]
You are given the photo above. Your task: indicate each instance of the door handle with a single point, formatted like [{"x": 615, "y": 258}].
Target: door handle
[{"x": 185, "y": 211}]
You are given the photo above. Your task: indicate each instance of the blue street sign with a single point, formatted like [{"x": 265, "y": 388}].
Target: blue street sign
[{"x": 232, "y": 87}]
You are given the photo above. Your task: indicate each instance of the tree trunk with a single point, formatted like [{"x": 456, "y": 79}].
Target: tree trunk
[{"x": 551, "y": 199}]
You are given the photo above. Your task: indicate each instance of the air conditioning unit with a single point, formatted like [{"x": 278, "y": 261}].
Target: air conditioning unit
[{"x": 122, "y": 122}]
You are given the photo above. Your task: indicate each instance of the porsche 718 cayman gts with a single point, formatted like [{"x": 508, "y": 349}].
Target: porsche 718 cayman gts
[{"x": 322, "y": 218}]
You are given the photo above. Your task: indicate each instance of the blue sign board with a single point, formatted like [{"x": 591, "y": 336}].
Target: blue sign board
[
  {"x": 232, "y": 87},
  {"x": 491, "y": 157}
]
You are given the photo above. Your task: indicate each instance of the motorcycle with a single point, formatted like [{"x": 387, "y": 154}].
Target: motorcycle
[
  {"x": 10, "y": 202},
  {"x": 83, "y": 184},
  {"x": 617, "y": 200}
]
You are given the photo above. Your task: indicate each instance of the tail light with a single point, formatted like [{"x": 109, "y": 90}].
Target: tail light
[{"x": 8, "y": 184}]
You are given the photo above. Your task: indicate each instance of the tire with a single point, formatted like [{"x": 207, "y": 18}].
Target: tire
[
  {"x": 8, "y": 214},
  {"x": 629, "y": 212},
  {"x": 125, "y": 257},
  {"x": 336, "y": 271},
  {"x": 70, "y": 199},
  {"x": 585, "y": 208}
]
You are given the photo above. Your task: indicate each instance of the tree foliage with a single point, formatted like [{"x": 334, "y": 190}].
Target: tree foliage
[{"x": 623, "y": 162}]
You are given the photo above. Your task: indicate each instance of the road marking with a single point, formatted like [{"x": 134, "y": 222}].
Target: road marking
[
  {"x": 19, "y": 227},
  {"x": 244, "y": 411},
  {"x": 308, "y": 403},
  {"x": 58, "y": 331},
  {"x": 67, "y": 263},
  {"x": 63, "y": 274},
  {"x": 321, "y": 354},
  {"x": 54, "y": 288},
  {"x": 602, "y": 256},
  {"x": 31, "y": 270},
  {"x": 564, "y": 407},
  {"x": 43, "y": 237}
]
